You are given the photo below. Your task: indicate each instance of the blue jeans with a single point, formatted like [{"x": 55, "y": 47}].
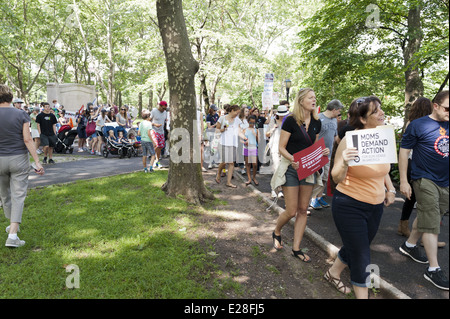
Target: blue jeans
[{"x": 357, "y": 223}]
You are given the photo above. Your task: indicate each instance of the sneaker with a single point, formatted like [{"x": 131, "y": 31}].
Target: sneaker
[
  {"x": 44, "y": 161},
  {"x": 280, "y": 195},
  {"x": 80, "y": 150},
  {"x": 14, "y": 242},
  {"x": 315, "y": 204},
  {"x": 210, "y": 166},
  {"x": 151, "y": 169},
  {"x": 437, "y": 278},
  {"x": 274, "y": 195},
  {"x": 92, "y": 153},
  {"x": 39, "y": 151},
  {"x": 157, "y": 165},
  {"x": 414, "y": 253},
  {"x": 145, "y": 170},
  {"x": 98, "y": 153},
  {"x": 322, "y": 202},
  {"x": 51, "y": 161}
]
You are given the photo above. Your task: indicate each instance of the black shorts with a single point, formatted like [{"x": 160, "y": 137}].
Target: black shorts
[{"x": 48, "y": 140}]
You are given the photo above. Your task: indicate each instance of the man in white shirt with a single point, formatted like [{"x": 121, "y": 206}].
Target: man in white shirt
[{"x": 158, "y": 117}]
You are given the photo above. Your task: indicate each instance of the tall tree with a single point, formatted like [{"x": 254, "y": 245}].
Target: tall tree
[
  {"x": 371, "y": 43},
  {"x": 27, "y": 39},
  {"x": 185, "y": 177},
  {"x": 413, "y": 81}
]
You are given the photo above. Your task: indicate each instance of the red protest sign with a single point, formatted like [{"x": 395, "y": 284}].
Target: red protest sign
[{"x": 311, "y": 159}]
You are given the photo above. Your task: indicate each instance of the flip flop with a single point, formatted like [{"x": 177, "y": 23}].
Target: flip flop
[
  {"x": 256, "y": 183},
  {"x": 248, "y": 183},
  {"x": 298, "y": 253},
  {"x": 217, "y": 181},
  {"x": 231, "y": 186},
  {"x": 276, "y": 238}
]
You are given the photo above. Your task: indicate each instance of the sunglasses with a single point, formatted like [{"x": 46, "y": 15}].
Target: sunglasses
[
  {"x": 446, "y": 108},
  {"x": 361, "y": 100}
]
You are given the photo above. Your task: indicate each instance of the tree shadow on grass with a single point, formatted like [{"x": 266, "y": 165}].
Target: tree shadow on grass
[{"x": 122, "y": 233}]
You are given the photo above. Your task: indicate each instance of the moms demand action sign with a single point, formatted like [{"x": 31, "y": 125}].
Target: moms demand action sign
[{"x": 375, "y": 146}]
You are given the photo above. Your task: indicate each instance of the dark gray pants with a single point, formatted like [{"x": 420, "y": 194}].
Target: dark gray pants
[{"x": 14, "y": 172}]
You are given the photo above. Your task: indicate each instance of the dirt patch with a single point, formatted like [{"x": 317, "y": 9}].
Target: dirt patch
[{"x": 242, "y": 231}]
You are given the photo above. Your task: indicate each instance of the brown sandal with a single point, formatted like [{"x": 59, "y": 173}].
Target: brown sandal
[{"x": 336, "y": 283}]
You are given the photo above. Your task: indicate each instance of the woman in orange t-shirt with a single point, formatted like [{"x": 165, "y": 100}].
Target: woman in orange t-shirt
[{"x": 358, "y": 201}]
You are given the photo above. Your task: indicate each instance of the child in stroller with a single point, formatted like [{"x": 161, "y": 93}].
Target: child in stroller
[
  {"x": 134, "y": 141},
  {"x": 127, "y": 146},
  {"x": 114, "y": 143},
  {"x": 65, "y": 136}
]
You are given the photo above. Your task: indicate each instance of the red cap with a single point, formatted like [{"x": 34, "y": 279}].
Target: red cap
[{"x": 163, "y": 103}]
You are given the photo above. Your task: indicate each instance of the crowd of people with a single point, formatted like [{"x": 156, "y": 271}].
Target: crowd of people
[
  {"x": 243, "y": 137},
  {"x": 48, "y": 121},
  {"x": 359, "y": 192}
]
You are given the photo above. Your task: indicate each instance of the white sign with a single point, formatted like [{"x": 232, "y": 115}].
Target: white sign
[
  {"x": 375, "y": 146},
  {"x": 267, "y": 94},
  {"x": 276, "y": 98}
]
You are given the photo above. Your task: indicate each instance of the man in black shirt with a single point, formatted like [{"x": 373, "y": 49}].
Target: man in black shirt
[{"x": 46, "y": 125}]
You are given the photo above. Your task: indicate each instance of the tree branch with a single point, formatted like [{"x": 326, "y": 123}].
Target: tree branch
[
  {"x": 393, "y": 30},
  {"x": 444, "y": 83},
  {"x": 9, "y": 62},
  {"x": 44, "y": 60}
]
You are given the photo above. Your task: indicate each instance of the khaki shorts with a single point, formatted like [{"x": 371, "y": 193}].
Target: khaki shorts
[{"x": 432, "y": 202}]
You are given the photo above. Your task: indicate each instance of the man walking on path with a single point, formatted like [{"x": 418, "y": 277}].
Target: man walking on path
[
  {"x": 328, "y": 132},
  {"x": 158, "y": 118},
  {"x": 428, "y": 137},
  {"x": 46, "y": 124}
]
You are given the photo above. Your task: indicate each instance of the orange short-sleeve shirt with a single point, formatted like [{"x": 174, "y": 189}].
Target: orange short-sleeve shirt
[{"x": 365, "y": 183}]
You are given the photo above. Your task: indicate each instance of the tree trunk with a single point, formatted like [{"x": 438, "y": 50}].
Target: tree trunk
[
  {"x": 150, "y": 98},
  {"x": 89, "y": 52},
  {"x": 413, "y": 81},
  {"x": 443, "y": 85},
  {"x": 185, "y": 177},
  {"x": 204, "y": 89},
  {"x": 140, "y": 103}
]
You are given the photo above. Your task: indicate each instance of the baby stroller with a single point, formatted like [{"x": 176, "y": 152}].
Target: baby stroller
[
  {"x": 135, "y": 142},
  {"x": 112, "y": 146},
  {"x": 65, "y": 136},
  {"x": 127, "y": 147}
]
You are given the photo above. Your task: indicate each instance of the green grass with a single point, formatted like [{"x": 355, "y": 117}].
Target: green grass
[{"x": 122, "y": 232}]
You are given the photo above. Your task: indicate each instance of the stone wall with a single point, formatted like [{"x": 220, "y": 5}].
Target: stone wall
[{"x": 71, "y": 95}]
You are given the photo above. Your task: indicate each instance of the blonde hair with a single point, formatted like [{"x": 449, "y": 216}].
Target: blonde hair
[
  {"x": 145, "y": 114},
  {"x": 297, "y": 112}
]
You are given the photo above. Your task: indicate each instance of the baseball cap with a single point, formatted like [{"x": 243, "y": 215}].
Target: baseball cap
[{"x": 163, "y": 103}]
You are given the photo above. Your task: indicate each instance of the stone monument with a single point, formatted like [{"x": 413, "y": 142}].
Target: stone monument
[{"x": 71, "y": 95}]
